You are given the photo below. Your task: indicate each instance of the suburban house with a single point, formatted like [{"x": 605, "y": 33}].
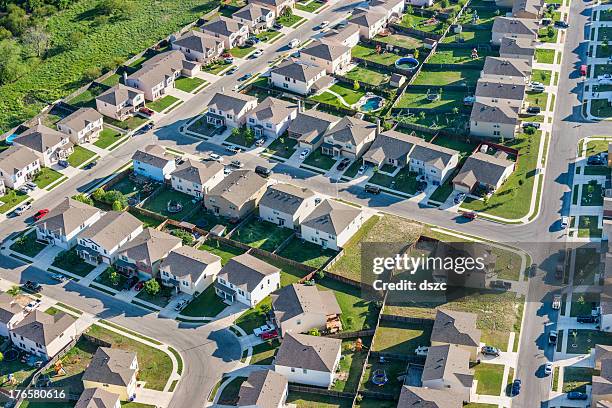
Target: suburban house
[
  {"x": 309, "y": 360},
  {"x": 512, "y": 27},
  {"x": 189, "y": 270},
  {"x": 308, "y": 127},
  {"x": 142, "y": 255},
  {"x": 197, "y": 46},
  {"x": 247, "y": 279},
  {"x": 370, "y": 22},
  {"x": 457, "y": 328},
  {"x": 42, "y": 334},
  {"x": 517, "y": 48},
  {"x": 331, "y": 224},
  {"x": 230, "y": 109},
  {"x": 334, "y": 57},
  {"x": 347, "y": 36},
  {"x": 605, "y": 298},
  {"x": 420, "y": 3},
  {"x": 11, "y": 312},
  {"x": 263, "y": 389},
  {"x": 153, "y": 162},
  {"x": 159, "y": 72},
  {"x": 500, "y": 89},
  {"x": 506, "y": 67},
  {"x": 391, "y": 8},
  {"x": 527, "y": 8},
  {"x": 18, "y": 165},
  {"x": 271, "y": 117},
  {"x": 484, "y": 171},
  {"x": 236, "y": 195},
  {"x": 447, "y": 367},
  {"x": 421, "y": 397},
  {"x": 299, "y": 308},
  {"x": 601, "y": 390},
  {"x": 98, "y": 398},
  {"x": 286, "y": 205},
  {"x": 350, "y": 138},
  {"x": 231, "y": 32},
  {"x": 300, "y": 77},
  {"x": 113, "y": 370},
  {"x": 391, "y": 148},
  {"x": 65, "y": 221},
  {"x": 196, "y": 178},
  {"x": 495, "y": 119},
  {"x": 120, "y": 102},
  {"x": 100, "y": 242},
  {"x": 435, "y": 163},
  {"x": 277, "y": 6},
  {"x": 49, "y": 145},
  {"x": 255, "y": 16},
  {"x": 82, "y": 126}
]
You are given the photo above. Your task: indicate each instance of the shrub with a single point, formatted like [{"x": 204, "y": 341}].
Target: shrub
[
  {"x": 152, "y": 287},
  {"x": 185, "y": 236},
  {"x": 83, "y": 198}
]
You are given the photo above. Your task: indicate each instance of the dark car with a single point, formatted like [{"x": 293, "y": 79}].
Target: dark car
[
  {"x": 90, "y": 165},
  {"x": 561, "y": 24},
  {"x": 596, "y": 160},
  {"x": 63, "y": 163},
  {"x": 490, "y": 351},
  {"x": 369, "y": 188},
  {"x": 131, "y": 281},
  {"x": 575, "y": 395},
  {"x": 586, "y": 319},
  {"x": 32, "y": 286},
  {"x": 534, "y": 110},
  {"x": 245, "y": 77},
  {"x": 470, "y": 215},
  {"x": 147, "y": 127},
  {"x": 277, "y": 26},
  {"x": 343, "y": 164},
  {"x": 516, "y": 387},
  {"x": 231, "y": 71},
  {"x": 263, "y": 171},
  {"x": 499, "y": 284}
]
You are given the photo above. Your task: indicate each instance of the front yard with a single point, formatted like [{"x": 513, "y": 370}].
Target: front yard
[
  {"x": 592, "y": 195},
  {"x": 107, "y": 137},
  {"x": 159, "y": 203},
  {"x": 310, "y": 7},
  {"x": 545, "y": 56},
  {"x": 317, "y": 159},
  {"x": 254, "y": 317},
  {"x": 46, "y": 177},
  {"x": 289, "y": 20},
  {"x": 282, "y": 146},
  {"x": 489, "y": 377},
  {"x": 588, "y": 226},
  {"x": 206, "y": 304},
  {"x": 27, "y": 245},
  {"x": 241, "y": 52},
  {"x": 70, "y": 261},
  {"x": 263, "y": 354},
  {"x": 80, "y": 156},
  {"x": 128, "y": 124},
  {"x": 404, "y": 181},
  {"x": 189, "y": 84},
  {"x": 262, "y": 234},
  {"x": 11, "y": 199},
  {"x": 162, "y": 104},
  {"x": 161, "y": 298},
  {"x": 577, "y": 378}
]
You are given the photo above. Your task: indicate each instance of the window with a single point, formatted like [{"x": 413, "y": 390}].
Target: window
[
  {"x": 251, "y": 120},
  {"x": 496, "y": 133},
  {"x": 285, "y": 85},
  {"x": 305, "y": 371},
  {"x": 292, "y": 370},
  {"x": 185, "y": 283}
]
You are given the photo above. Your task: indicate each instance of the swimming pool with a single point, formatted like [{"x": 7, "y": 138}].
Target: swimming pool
[
  {"x": 407, "y": 63},
  {"x": 372, "y": 103}
]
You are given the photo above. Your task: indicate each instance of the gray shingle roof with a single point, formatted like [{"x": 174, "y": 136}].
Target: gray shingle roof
[
  {"x": 188, "y": 263},
  {"x": 495, "y": 112},
  {"x": 391, "y": 145},
  {"x": 340, "y": 35},
  {"x": 367, "y": 18},
  {"x": 246, "y": 272},
  {"x": 149, "y": 246},
  {"x": 238, "y": 186},
  {"x": 230, "y": 101},
  {"x": 420, "y": 397},
  {"x": 43, "y": 328},
  {"x": 351, "y": 130},
  {"x": 197, "y": 172},
  {"x": 516, "y": 47},
  {"x": 81, "y": 118},
  {"x": 308, "y": 352},
  {"x": 263, "y": 389},
  {"x": 295, "y": 300},
  {"x": 273, "y": 110},
  {"x": 197, "y": 41},
  {"x": 111, "y": 366},
  {"x": 311, "y": 124},
  {"x": 153, "y": 155},
  {"x": 222, "y": 26},
  {"x": 506, "y": 67},
  {"x": 67, "y": 216},
  {"x": 434, "y": 155},
  {"x": 332, "y": 216},
  {"x": 501, "y": 88},
  {"x": 111, "y": 229},
  {"x": 529, "y": 6},
  {"x": 15, "y": 158},
  {"x": 252, "y": 12},
  {"x": 40, "y": 138},
  {"x": 385, "y": 4},
  {"x": 158, "y": 68},
  {"x": 325, "y": 50},
  {"x": 97, "y": 398},
  {"x": 483, "y": 168},
  {"x": 456, "y": 328},
  {"x": 513, "y": 25},
  {"x": 285, "y": 198},
  {"x": 8, "y": 308},
  {"x": 448, "y": 361},
  {"x": 118, "y": 94},
  {"x": 299, "y": 70}
]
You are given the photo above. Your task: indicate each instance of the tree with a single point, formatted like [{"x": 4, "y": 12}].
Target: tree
[
  {"x": 4, "y": 33},
  {"x": 36, "y": 39},
  {"x": 185, "y": 236},
  {"x": 152, "y": 287},
  {"x": 445, "y": 4},
  {"x": 92, "y": 73},
  {"x": 98, "y": 194},
  {"x": 83, "y": 199},
  {"x": 320, "y": 275},
  {"x": 314, "y": 332},
  {"x": 265, "y": 308},
  {"x": 113, "y": 276},
  {"x": 455, "y": 110},
  {"x": 422, "y": 115},
  {"x": 249, "y": 136},
  {"x": 117, "y": 206},
  {"x": 11, "y": 64},
  {"x": 410, "y": 10},
  {"x": 115, "y": 8},
  {"x": 416, "y": 53},
  {"x": 356, "y": 85},
  {"x": 75, "y": 37},
  {"x": 14, "y": 290},
  {"x": 16, "y": 20}
]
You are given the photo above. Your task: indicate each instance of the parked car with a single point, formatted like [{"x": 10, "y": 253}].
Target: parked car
[
  {"x": 32, "y": 286},
  {"x": 236, "y": 163},
  {"x": 362, "y": 169},
  {"x": 41, "y": 213},
  {"x": 556, "y": 302},
  {"x": 260, "y": 142},
  {"x": 534, "y": 125},
  {"x": 564, "y": 222},
  {"x": 258, "y": 331},
  {"x": 534, "y": 110},
  {"x": 516, "y": 387},
  {"x": 138, "y": 287},
  {"x": 257, "y": 53},
  {"x": 470, "y": 215},
  {"x": 552, "y": 337},
  {"x": 421, "y": 351},
  {"x": 227, "y": 170},
  {"x": 369, "y": 188},
  {"x": 253, "y": 39},
  {"x": 181, "y": 304},
  {"x": 263, "y": 171},
  {"x": 131, "y": 281},
  {"x": 548, "y": 367},
  {"x": 343, "y": 164},
  {"x": 294, "y": 43},
  {"x": 323, "y": 24},
  {"x": 596, "y": 160},
  {"x": 90, "y": 165},
  {"x": 459, "y": 198},
  {"x": 583, "y": 70},
  {"x": 304, "y": 153},
  {"x": 228, "y": 60},
  {"x": 63, "y": 163},
  {"x": 146, "y": 111},
  {"x": 231, "y": 71},
  {"x": 500, "y": 284},
  {"x": 269, "y": 335},
  {"x": 233, "y": 149},
  {"x": 23, "y": 208},
  {"x": 216, "y": 157},
  {"x": 245, "y": 77},
  {"x": 586, "y": 319},
  {"x": 561, "y": 24},
  {"x": 490, "y": 351},
  {"x": 32, "y": 305},
  {"x": 179, "y": 160},
  {"x": 575, "y": 395},
  {"x": 58, "y": 277}
]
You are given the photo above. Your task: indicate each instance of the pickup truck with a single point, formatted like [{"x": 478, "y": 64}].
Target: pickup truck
[{"x": 556, "y": 303}]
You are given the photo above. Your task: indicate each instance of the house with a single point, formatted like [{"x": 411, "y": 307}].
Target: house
[
  {"x": 500, "y": 89},
  {"x": 601, "y": 390},
  {"x": 331, "y": 224},
  {"x": 263, "y": 389},
  {"x": 82, "y": 126},
  {"x": 120, "y": 102},
  {"x": 447, "y": 367},
  {"x": 153, "y": 162},
  {"x": 65, "y": 221},
  {"x": 236, "y": 195},
  {"x": 605, "y": 298},
  {"x": 495, "y": 119},
  {"x": 527, "y": 9},
  {"x": 391, "y": 8},
  {"x": 100, "y": 242},
  {"x": 517, "y": 48},
  {"x": 484, "y": 171},
  {"x": 309, "y": 360},
  {"x": 300, "y": 77},
  {"x": 350, "y": 138},
  {"x": 271, "y": 117},
  {"x": 392, "y": 148},
  {"x": 142, "y": 254},
  {"x": 286, "y": 205},
  {"x": 247, "y": 279},
  {"x": 49, "y": 145},
  {"x": 457, "y": 328},
  {"x": 2, "y": 186},
  {"x": 11, "y": 313},
  {"x": 159, "y": 73},
  {"x": 420, "y": 3},
  {"x": 334, "y": 57},
  {"x": 196, "y": 178},
  {"x": 255, "y": 16},
  {"x": 299, "y": 308},
  {"x": 512, "y": 27},
  {"x": 231, "y": 32},
  {"x": 230, "y": 109},
  {"x": 308, "y": 127},
  {"x": 18, "y": 165},
  {"x": 98, "y": 398},
  {"x": 370, "y": 22},
  {"x": 421, "y": 397},
  {"x": 347, "y": 36},
  {"x": 113, "y": 370},
  {"x": 435, "y": 163},
  {"x": 506, "y": 67},
  {"x": 279, "y": 7},
  {"x": 397, "y": 80},
  {"x": 189, "y": 270},
  {"x": 42, "y": 334},
  {"x": 197, "y": 46}
]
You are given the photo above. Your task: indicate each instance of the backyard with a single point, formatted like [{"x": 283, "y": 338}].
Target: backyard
[
  {"x": 446, "y": 101},
  {"x": 401, "y": 338},
  {"x": 370, "y": 54},
  {"x": 368, "y": 75},
  {"x": 224, "y": 251},
  {"x": 307, "y": 253},
  {"x": 392, "y": 368},
  {"x": 350, "y": 366},
  {"x": 159, "y": 203},
  {"x": 349, "y": 95},
  {"x": 401, "y": 40},
  {"x": 262, "y": 234},
  {"x": 465, "y": 77},
  {"x": 458, "y": 56},
  {"x": 469, "y": 37}
]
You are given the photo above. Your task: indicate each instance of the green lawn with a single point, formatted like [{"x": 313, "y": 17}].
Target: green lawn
[
  {"x": 161, "y": 298},
  {"x": 86, "y": 99},
  {"x": 282, "y": 146},
  {"x": 401, "y": 40},
  {"x": 189, "y": 84},
  {"x": 104, "y": 279},
  {"x": 347, "y": 93},
  {"x": 46, "y": 177},
  {"x": 254, "y": 317},
  {"x": 80, "y": 156},
  {"x": 262, "y": 234},
  {"x": 457, "y": 56},
  {"x": 422, "y": 22},
  {"x": 577, "y": 378},
  {"x": 545, "y": 56},
  {"x": 597, "y": 146},
  {"x": 26, "y": 244},
  {"x": 310, "y": 7},
  {"x": 229, "y": 395},
  {"x": 207, "y": 220},
  {"x": 393, "y": 369},
  {"x": 469, "y": 37},
  {"x": 264, "y": 353},
  {"x": 216, "y": 67},
  {"x": 307, "y": 253},
  {"x": 548, "y": 36},
  {"x": 541, "y": 75},
  {"x": 159, "y": 203},
  {"x": 130, "y": 123},
  {"x": 240, "y": 138},
  {"x": 317, "y": 159},
  {"x": 224, "y": 251},
  {"x": 404, "y": 181},
  {"x": 71, "y": 262},
  {"x": 111, "y": 80},
  {"x": 350, "y": 365},
  {"x": 601, "y": 108},
  {"x": 447, "y": 101},
  {"x": 11, "y": 199},
  {"x": 269, "y": 36},
  {"x": 241, "y": 52},
  {"x": 592, "y": 195},
  {"x": 289, "y": 20},
  {"x": 307, "y": 400},
  {"x": 357, "y": 313},
  {"x": 367, "y": 75},
  {"x": 145, "y": 219},
  {"x": 537, "y": 99},
  {"x": 588, "y": 226},
  {"x": 206, "y": 304},
  {"x": 489, "y": 377},
  {"x": 162, "y": 104},
  {"x": 401, "y": 338},
  {"x": 370, "y": 54},
  {"x": 442, "y": 78}
]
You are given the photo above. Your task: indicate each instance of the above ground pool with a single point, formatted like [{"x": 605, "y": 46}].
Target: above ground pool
[
  {"x": 372, "y": 103},
  {"x": 407, "y": 63},
  {"x": 9, "y": 139}
]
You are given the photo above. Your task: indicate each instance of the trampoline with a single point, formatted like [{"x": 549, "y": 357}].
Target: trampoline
[{"x": 379, "y": 377}]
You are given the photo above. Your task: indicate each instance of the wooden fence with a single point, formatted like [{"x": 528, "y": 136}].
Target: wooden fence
[
  {"x": 406, "y": 319},
  {"x": 320, "y": 391},
  {"x": 352, "y": 335}
]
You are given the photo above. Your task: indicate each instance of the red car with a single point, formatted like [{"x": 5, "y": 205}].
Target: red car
[
  {"x": 41, "y": 213},
  {"x": 469, "y": 215},
  {"x": 138, "y": 287},
  {"x": 147, "y": 111},
  {"x": 226, "y": 55},
  {"x": 583, "y": 70},
  {"x": 269, "y": 335}
]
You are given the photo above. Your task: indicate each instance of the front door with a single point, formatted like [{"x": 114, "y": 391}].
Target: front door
[
  {"x": 281, "y": 221},
  {"x": 324, "y": 243}
]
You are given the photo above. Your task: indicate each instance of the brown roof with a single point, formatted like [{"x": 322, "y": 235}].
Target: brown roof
[
  {"x": 119, "y": 94},
  {"x": 391, "y": 145},
  {"x": 332, "y": 216},
  {"x": 81, "y": 118},
  {"x": 111, "y": 366},
  {"x": 67, "y": 216},
  {"x": 352, "y": 130},
  {"x": 158, "y": 68},
  {"x": 285, "y": 198},
  {"x": 273, "y": 110},
  {"x": 40, "y": 138},
  {"x": 263, "y": 389},
  {"x": 149, "y": 246},
  {"x": 238, "y": 186},
  {"x": 8, "y": 308},
  {"x": 482, "y": 168},
  {"x": 295, "y": 300},
  {"x": 495, "y": 112},
  {"x": 97, "y": 398},
  {"x": 311, "y": 124},
  {"x": 420, "y": 397},
  {"x": 15, "y": 158},
  {"x": 456, "y": 328},
  {"x": 197, "y": 172},
  {"x": 43, "y": 328},
  {"x": 519, "y": 67},
  {"x": 328, "y": 51},
  {"x": 111, "y": 229},
  {"x": 197, "y": 41},
  {"x": 298, "y": 70},
  {"x": 246, "y": 272},
  {"x": 188, "y": 263},
  {"x": 153, "y": 155},
  {"x": 448, "y": 362},
  {"x": 308, "y": 352}
]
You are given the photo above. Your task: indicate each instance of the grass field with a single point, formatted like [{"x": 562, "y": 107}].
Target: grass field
[
  {"x": 347, "y": 93},
  {"x": 401, "y": 338},
  {"x": 159, "y": 203},
  {"x": 350, "y": 366},
  {"x": 224, "y": 251},
  {"x": 447, "y": 101},
  {"x": 465, "y": 77},
  {"x": 263, "y": 353},
  {"x": 27, "y": 245},
  {"x": 80, "y": 156},
  {"x": 241, "y": 52},
  {"x": 545, "y": 56},
  {"x": 370, "y": 54},
  {"x": 317, "y": 159},
  {"x": 368, "y": 75},
  {"x": 457, "y": 56},
  {"x": 11, "y": 199},
  {"x": 46, "y": 177},
  {"x": 401, "y": 40},
  {"x": 307, "y": 400},
  {"x": 206, "y": 304},
  {"x": 307, "y": 253},
  {"x": 282, "y": 146},
  {"x": 541, "y": 75},
  {"x": 162, "y": 104}
]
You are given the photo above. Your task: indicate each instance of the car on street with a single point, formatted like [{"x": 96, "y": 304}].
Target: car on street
[
  {"x": 58, "y": 277},
  {"x": 470, "y": 215},
  {"x": 534, "y": 110},
  {"x": 216, "y": 157},
  {"x": 344, "y": 164},
  {"x": 41, "y": 213},
  {"x": 490, "y": 351},
  {"x": 575, "y": 395},
  {"x": 459, "y": 198},
  {"x": 516, "y": 388},
  {"x": 304, "y": 153},
  {"x": 231, "y": 71},
  {"x": 90, "y": 165},
  {"x": 32, "y": 286},
  {"x": 552, "y": 337},
  {"x": 294, "y": 43},
  {"x": 32, "y": 305},
  {"x": 561, "y": 24},
  {"x": 257, "y": 53},
  {"x": 236, "y": 163},
  {"x": 421, "y": 351},
  {"x": 263, "y": 171},
  {"x": 180, "y": 305},
  {"x": 369, "y": 188},
  {"x": 323, "y": 24},
  {"x": 548, "y": 367},
  {"x": 233, "y": 149},
  {"x": 23, "y": 208},
  {"x": 564, "y": 222},
  {"x": 245, "y": 77}
]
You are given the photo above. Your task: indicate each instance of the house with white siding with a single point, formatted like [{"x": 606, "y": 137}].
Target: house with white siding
[
  {"x": 334, "y": 57},
  {"x": 255, "y": 16},
  {"x": 370, "y": 22},
  {"x": 196, "y": 178},
  {"x": 120, "y": 102},
  {"x": 11, "y": 313},
  {"x": 82, "y": 126},
  {"x": 231, "y": 32},
  {"x": 189, "y": 270},
  {"x": 495, "y": 119},
  {"x": 49, "y": 145},
  {"x": 197, "y": 46},
  {"x": 300, "y": 77},
  {"x": 271, "y": 117},
  {"x": 18, "y": 165},
  {"x": 65, "y": 221},
  {"x": 153, "y": 162},
  {"x": 433, "y": 162},
  {"x": 286, "y": 205},
  {"x": 230, "y": 109},
  {"x": 42, "y": 334},
  {"x": 331, "y": 224}
]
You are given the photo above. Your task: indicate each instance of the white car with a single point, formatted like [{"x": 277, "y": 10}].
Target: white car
[
  {"x": 32, "y": 305},
  {"x": 421, "y": 350},
  {"x": 537, "y": 86},
  {"x": 362, "y": 169},
  {"x": 548, "y": 368},
  {"x": 23, "y": 208},
  {"x": 227, "y": 170},
  {"x": 257, "y": 53},
  {"x": 605, "y": 79},
  {"x": 323, "y": 24},
  {"x": 216, "y": 157},
  {"x": 304, "y": 153},
  {"x": 294, "y": 43},
  {"x": 258, "y": 331},
  {"x": 564, "y": 222},
  {"x": 181, "y": 304}
]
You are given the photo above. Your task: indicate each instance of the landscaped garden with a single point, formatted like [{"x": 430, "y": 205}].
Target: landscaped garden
[
  {"x": 541, "y": 75},
  {"x": 592, "y": 194},
  {"x": 262, "y": 234},
  {"x": 161, "y": 298},
  {"x": 216, "y": 67},
  {"x": 588, "y": 226},
  {"x": 311, "y": 6},
  {"x": 288, "y": 19}
]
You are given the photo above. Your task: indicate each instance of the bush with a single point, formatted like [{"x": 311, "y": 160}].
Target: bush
[
  {"x": 152, "y": 287},
  {"x": 185, "y": 236},
  {"x": 113, "y": 197},
  {"x": 83, "y": 198}
]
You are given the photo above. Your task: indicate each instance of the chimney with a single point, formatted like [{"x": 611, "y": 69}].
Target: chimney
[
  {"x": 377, "y": 126},
  {"x": 300, "y": 106},
  {"x": 39, "y": 121},
  {"x": 124, "y": 77}
]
